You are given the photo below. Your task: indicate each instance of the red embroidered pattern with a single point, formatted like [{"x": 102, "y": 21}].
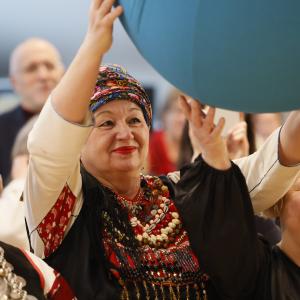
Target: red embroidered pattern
[
  {"x": 60, "y": 289},
  {"x": 51, "y": 230}
]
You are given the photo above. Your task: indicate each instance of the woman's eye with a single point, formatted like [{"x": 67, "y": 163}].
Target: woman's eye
[
  {"x": 135, "y": 121},
  {"x": 106, "y": 124}
]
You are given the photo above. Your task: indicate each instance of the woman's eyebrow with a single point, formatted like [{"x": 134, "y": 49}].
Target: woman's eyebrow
[
  {"x": 135, "y": 108},
  {"x": 102, "y": 112},
  {"x": 110, "y": 112}
]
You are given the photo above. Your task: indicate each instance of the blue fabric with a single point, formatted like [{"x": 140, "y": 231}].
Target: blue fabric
[{"x": 240, "y": 55}]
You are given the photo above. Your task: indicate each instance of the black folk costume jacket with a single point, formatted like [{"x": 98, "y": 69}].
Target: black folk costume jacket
[{"x": 216, "y": 213}]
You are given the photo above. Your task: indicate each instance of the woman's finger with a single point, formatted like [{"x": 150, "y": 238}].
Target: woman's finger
[
  {"x": 95, "y": 4},
  {"x": 238, "y": 136},
  {"x": 185, "y": 106},
  {"x": 241, "y": 116},
  {"x": 208, "y": 122},
  {"x": 196, "y": 113},
  {"x": 105, "y": 7},
  {"x": 218, "y": 128},
  {"x": 241, "y": 126},
  {"x": 113, "y": 15},
  {"x": 240, "y": 131}
]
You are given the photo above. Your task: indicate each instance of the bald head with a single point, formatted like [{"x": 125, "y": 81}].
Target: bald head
[
  {"x": 35, "y": 68},
  {"x": 25, "y": 48}
]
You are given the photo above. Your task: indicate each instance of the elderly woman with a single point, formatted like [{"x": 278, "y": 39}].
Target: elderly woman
[
  {"x": 165, "y": 143},
  {"x": 114, "y": 233},
  {"x": 12, "y": 223}
]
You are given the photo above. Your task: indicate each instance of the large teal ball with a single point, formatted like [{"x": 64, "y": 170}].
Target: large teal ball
[{"x": 240, "y": 55}]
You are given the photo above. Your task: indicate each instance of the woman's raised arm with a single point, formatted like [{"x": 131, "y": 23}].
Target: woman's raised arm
[{"x": 72, "y": 95}]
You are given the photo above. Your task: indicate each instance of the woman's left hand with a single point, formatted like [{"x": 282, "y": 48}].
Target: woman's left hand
[{"x": 205, "y": 136}]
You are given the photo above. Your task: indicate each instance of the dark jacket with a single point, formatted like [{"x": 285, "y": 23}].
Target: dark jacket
[{"x": 10, "y": 124}]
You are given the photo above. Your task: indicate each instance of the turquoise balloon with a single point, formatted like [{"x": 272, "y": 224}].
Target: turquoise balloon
[{"x": 238, "y": 55}]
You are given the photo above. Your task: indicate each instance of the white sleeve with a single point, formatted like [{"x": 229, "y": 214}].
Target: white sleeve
[
  {"x": 52, "y": 283},
  {"x": 46, "y": 273},
  {"x": 267, "y": 179},
  {"x": 54, "y": 146},
  {"x": 12, "y": 222}
]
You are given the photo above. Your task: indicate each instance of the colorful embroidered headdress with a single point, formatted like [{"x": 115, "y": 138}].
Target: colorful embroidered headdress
[{"x": 114, "y": 83}]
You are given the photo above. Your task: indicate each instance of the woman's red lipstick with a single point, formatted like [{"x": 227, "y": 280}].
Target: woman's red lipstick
[{"x": 125, "y": 149}]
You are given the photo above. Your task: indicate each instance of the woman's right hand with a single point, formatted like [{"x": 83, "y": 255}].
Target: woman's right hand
[{"x": 101, "y": 19}]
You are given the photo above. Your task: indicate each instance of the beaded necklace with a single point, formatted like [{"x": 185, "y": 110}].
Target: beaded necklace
[
  {"x": 11, "y": 285},
  {"x": 158, "y": 226},
  {"x": 153, "y": 260},
  {"x": 132, "y": 205}
]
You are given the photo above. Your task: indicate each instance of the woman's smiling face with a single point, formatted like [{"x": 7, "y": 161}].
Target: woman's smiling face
[{"x": 119, "y": 141}]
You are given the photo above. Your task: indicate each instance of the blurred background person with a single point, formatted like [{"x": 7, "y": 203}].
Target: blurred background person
[
  {"x": 164, "y": 146},
  {"x": 42, "y": 282},
  {"x": 260, "y": 126},
  {"x": 12, "y": 220},
  {"x": 35, "y": 68}
]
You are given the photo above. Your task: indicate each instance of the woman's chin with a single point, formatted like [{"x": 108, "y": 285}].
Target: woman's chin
[{"x": 127, "y": 167}]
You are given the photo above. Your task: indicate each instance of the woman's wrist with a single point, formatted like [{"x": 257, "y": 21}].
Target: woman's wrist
[
  {"x": 217, "y": 160},
  {"x": 91, "y": 49}
]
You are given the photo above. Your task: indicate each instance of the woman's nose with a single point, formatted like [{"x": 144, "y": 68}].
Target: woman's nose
[{"x": 124, "y": 132}]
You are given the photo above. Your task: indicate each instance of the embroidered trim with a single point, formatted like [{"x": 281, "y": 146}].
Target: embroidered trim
[{"x": 52, "y": 228}]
